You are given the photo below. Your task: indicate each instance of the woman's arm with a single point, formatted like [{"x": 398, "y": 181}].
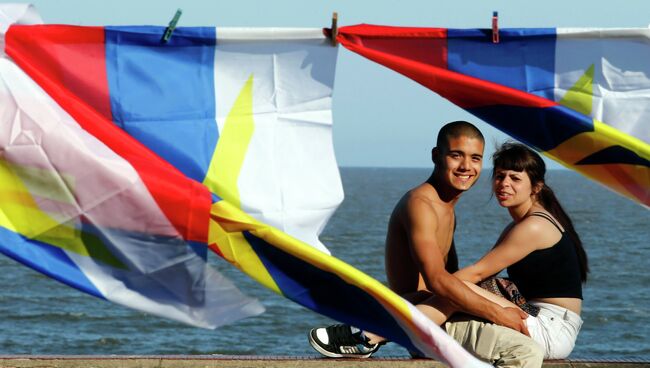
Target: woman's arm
[{"x": 516, "y": 242}]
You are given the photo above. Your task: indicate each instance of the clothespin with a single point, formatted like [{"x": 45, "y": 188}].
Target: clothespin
[
  {"x": 172, "y": 26},
  {"x": 495, "y": 27},
  {"x": 335, "y": 28}
]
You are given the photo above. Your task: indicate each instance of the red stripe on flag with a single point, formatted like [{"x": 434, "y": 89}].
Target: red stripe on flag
[
  {"x": 72, "y": 59},
  {"x": 68, "y": 62},
  {"x": 424, "y": 45},
  {"x": 421, "y": 54}
]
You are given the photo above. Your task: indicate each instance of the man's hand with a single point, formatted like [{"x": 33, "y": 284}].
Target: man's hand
[{"x": 513, "y": 318}]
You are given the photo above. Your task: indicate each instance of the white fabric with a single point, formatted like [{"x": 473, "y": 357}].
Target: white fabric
[
  {"x": 15, "y": 14},
  {"x": 269, "y": 34},
  {"x": 621, "y": 84},
  {"x": 289, "y": 178}
]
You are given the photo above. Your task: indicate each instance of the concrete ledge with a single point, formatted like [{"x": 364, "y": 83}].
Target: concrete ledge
[{"x": 240, "y": 361}]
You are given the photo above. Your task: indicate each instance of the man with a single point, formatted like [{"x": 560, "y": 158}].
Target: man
[{"x": 420, "y": 255}]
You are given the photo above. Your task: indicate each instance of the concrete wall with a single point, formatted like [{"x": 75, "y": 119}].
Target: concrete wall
[{"x": 210, "y": 361}]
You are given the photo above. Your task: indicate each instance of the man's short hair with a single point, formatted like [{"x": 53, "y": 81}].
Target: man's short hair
[{"x": 457, "y": 129}]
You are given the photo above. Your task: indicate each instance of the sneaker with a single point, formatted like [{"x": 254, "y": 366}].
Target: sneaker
[{"x": 341, "y": 341}]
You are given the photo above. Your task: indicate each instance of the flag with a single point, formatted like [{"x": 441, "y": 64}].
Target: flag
[
  {"x": 135, "y": 156},
  {"x": 579, "y": 96},
  {"x": 87, "y": 204}
]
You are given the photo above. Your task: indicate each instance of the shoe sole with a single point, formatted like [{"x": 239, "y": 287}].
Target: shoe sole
[{"x": 329, "y": 354}]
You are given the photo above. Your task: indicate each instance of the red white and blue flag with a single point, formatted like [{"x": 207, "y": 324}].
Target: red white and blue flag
[
  {"x": 89, "y": 205},
  {"x": 123, "y": 159},
  {"x": 580, "y": 96}
]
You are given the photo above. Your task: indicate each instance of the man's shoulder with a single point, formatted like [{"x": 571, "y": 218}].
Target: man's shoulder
[
  {"x": 420, "y": 201},
  {"x": 422, "y": 194}
]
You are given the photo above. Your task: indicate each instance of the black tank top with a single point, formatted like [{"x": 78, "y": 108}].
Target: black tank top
[{"x": 550, "y": 272}]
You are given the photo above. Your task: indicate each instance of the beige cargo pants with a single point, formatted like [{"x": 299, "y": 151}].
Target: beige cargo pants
[{"x": 498, "y": 345}]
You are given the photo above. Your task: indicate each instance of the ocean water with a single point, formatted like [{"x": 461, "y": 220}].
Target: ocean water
[{"x": 41, "y": 316}]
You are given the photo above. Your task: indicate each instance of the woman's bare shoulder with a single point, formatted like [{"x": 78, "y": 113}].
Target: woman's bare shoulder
[{"x": 538, "y": 230}]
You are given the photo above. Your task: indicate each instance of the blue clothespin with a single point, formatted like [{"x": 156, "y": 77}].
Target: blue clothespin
[
  {"x": 495, "y": 27},
  {"x": 172, "y": 26}
]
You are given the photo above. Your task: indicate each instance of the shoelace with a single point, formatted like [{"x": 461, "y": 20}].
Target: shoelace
[{"x": 340, "y": 335}]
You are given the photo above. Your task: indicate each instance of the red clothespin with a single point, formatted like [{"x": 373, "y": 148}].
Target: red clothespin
[{"x": 495, "y": 27}]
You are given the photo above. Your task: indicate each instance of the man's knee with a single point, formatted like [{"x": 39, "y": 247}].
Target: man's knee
[
  {"x": 528, "y": 354},
  {"x": 472, "y": 335},
  {"x": 514, "y": 349}
]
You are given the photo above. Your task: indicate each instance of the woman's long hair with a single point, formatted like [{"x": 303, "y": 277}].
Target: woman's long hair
[{"x": 517, "y": 157}]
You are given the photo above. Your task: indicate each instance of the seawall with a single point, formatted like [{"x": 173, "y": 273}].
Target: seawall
[{"x": 238, "y": 361}]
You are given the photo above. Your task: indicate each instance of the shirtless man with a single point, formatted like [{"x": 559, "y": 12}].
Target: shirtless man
[{"x": 420, "y": 255}]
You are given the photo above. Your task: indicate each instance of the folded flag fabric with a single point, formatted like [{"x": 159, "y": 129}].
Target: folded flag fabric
[
  {"x": 88, "y": 205},
  {"x": 580, "y": 96},
  {"x": 124, "y": 159}
]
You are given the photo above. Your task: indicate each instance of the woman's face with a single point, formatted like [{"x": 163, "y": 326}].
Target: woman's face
[{"x": 512, "y": 188}]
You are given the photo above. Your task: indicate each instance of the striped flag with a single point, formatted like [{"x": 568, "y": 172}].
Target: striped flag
[
  {"x": 123, "y": 159},
  {"x": 87, "y": 204},
  {"x": 580, "y": 96}
]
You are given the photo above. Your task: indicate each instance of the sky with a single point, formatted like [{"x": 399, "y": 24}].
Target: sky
[{"x": 381, "y": 119}]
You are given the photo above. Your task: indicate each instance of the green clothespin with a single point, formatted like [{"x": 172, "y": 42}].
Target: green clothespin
[{"x": 172, "y": 25}]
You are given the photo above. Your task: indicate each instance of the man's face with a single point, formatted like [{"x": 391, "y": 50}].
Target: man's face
[{"x": 462, "y": 162}]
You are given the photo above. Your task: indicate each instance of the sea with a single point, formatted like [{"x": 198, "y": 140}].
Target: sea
[{"x": 43, "y": 317}]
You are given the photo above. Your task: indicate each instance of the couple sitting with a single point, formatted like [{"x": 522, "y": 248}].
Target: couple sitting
[{"x": 540, "y": 249}]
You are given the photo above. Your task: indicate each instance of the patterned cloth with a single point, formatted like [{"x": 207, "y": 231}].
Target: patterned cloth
[{"x": 508, "y": 290}]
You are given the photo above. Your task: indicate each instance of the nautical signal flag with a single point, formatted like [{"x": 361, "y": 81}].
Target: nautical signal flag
[
  {"x": 580, "y": 96},
  {"x": 123, "y": 159}
]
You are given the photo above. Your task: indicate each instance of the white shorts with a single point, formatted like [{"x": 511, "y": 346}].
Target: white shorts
[{"x": 555, "y": 328}]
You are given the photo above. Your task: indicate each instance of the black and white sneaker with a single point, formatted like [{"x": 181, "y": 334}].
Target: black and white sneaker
[{"x": 341, "y": 341}]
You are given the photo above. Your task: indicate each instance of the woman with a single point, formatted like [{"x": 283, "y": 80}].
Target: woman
[{"x": 540, "y": 249}]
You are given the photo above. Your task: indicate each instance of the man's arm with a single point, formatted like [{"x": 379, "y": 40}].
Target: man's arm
[
  {"x": 422, "y": 226},
  {"x": 452, "y": 259}
]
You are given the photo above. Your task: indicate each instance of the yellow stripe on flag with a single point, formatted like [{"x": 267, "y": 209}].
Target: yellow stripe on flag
[
  {"x": 221, "y": 179},
  {"x": 228, "y": 156},
  {"x": 627, "y": 179},
  {"x": 581, "y": 95},
  {"x": 234, "y": 221},
  {"x": 622, "y": 177}
]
